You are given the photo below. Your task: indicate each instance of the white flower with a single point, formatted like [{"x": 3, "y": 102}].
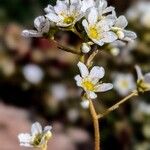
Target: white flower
[
  {"x": 37, "y": 138},
  {"x": 42, "y": 26},
  {"x": 64, "y": 13},
  {"x": 59, "y": 92},
  {"x": 124, "y": 83},
  {"x": 140, "y": 12},
  {"x": 144, "y": 108},
  {"x": 89, "y": 81},
  {"x": 143, "y": 81},
  {"x": 33, "y": 73},
  {"x": 119, "y": 29},
  {"x": 140, "y": 75},
  {"x": 99, "y": 30}
]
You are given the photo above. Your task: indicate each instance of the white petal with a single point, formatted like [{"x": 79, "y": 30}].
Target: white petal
[
  {"x": 129, "y": 35},
  {"x": 87, "y": 4},
  {"x": 121, "y": 22},
  {"x": 104, "y": 87},
  {"x": 49, "y": 9},
  {"x": 60, "y": 7},
  {"x": 99, "y": 42},
  {"x": 36, "y": 128},
  {"x": 139, "y": 73},
  {"x": 97, "y": 72},
  {"x": 78, "y": 80},
  {"x": 91, "y": 95},
  {"x": 83, "y": 69},
  {"x": 85, "y": 24},
  {"x": 38, "y": 22},
  {"x": 48, "y": 128},
  {"x": 24, "y": 138},
  {"x": 53, "y": 17},
  {"x": 147, "y": 77},
  {"x": 108, "y": 10},
  {"x": 92, "y": 16},
  {"x": 109, "y": 37},
  {"x": 31, "y": 33}
]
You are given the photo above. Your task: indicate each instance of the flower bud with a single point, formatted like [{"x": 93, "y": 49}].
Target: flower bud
[
  {"x": 85, "y": 47},
  {"x": 120, "y": 34}
]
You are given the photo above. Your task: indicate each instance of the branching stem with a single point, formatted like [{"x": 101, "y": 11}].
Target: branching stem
[{"x": 117, "y": 105}]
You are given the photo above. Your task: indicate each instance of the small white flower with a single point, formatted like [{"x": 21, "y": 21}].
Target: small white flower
[
  {"x": 37, "y": 138},
  {"x": 119, "y": 29},
  {"x": 140, "y": 12},
  {"x": 124, "y": 83},
  {"x": 143, "y": 81},
  {"x": 42, "y": 26},
  {"x": 59, "y": 92},
  {"x": 99, "y": 30},
  {"x": 89, "y": 81},
  {"x": 144, "y": 108},
  {"x": 33, "y": 73},
  {"x": 64, "y": 13}
]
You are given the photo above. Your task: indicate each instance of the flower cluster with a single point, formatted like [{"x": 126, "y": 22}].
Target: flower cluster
[{"x": 99, "y": 21}]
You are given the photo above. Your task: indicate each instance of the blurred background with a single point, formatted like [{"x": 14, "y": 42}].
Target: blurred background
[{"x": 36, "y": 82}]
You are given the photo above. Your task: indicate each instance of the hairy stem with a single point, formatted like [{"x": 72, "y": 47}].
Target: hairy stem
[
  {"x": 116, "y": 106},
  {"x": 96, "y": 126},
  {"x": 67, "y": 49}
]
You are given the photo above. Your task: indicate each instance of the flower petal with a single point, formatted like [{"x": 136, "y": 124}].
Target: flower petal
[
  {"x": 60, "y": 7},
  {"x": 83, "y": 69},
  {"x": 91, "y": 95},
  {"x": 92, "y": 16},
  {"x": 36, "y": 128},
  {"x": 49, "y": 9},
  {"x": 147, "y": 77},
  {"x": 97, "y": 73},
  {"x": 24, "y": 138},
  {"x": 121, "y": 22},
  {"x": 47, "y": 128},
  {"x": 104, "y": 87},
  {"x": 53, "y": 17},
  {"x": 109, "y": 37},
  {"x": 31, "y": 33},
  {"x": 129, "y": 35},
  {"x": 78, "y": 80},
  {"x": 139, "y": 73}
]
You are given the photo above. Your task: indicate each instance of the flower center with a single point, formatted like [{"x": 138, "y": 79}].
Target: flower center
[
  {"x": 124, "y": 84},
  {"x": 93, "y": 33},
  {"x": 88, "y": 85},
  {"x": 37, "y": 139},
  {"x": 68, "y": 20}
]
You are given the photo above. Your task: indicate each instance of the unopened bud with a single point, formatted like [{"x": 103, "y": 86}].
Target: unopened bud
[
  {"x": 85, "y": 47},
  {"x": 120, "y": 34}
]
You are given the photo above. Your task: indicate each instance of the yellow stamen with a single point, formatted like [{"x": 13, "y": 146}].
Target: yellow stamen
[
  {"x": 68, "y": 20},
  {"x": 93, "y": 33},
  {"x": 88, "y": 85},
  {"x": 124, "y": 84}
]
